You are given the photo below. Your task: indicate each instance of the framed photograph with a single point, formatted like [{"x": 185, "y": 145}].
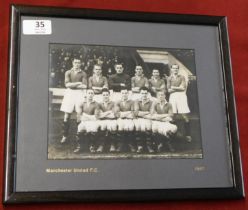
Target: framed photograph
[{"x": 107, "y": 106}]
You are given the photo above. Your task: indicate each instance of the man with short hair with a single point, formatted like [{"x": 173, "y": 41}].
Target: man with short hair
[
  {"x": 88, "y": 114},
  {"x": 107, "y": 121},
  {"x": 139, "y": 80},
  {"x": 75, "y": 83},
  {"x": 143, "y": 124},
  {"x": 120, "y": 79},
  {"x": 97, "y": 82},
  {"x": 156, "y": 83},
  {"x": 124, "y": 110},
  {"x": 177, "y": 87},
  {"x": 162, "y": 114}
]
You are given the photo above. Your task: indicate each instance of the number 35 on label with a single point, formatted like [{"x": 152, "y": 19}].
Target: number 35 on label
[{"x": 37, "y": 27}]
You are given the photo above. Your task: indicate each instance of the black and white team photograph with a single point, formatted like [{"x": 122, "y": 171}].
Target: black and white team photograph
[{"x": 114, "y": 102}]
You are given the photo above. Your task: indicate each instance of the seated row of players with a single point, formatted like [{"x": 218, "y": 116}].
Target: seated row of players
[
  {"x": 125, "y": 117},
  {"x": 76, "y": 83}
]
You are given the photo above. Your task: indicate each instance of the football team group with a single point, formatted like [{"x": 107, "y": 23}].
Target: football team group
[{"x": 123, "y": 114}]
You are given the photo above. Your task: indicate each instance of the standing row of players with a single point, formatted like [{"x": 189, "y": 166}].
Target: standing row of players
[
  {"x": 119, "y": 80},
  {"x": 76, "y": 81}
]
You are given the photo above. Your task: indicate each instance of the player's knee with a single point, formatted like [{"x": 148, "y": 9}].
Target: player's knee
[
  {"x": 131, "y": 128},
  {"x": 173, "y": 128},
  {"x": 142, "y": 127},
  {"x": 120, "y": 127},
  {"x": 113, "y": 128},
  {"x": 103, "y": 127},
  {"x": 154, "y": 129},
  {"x": 81, "y": 127},
  {"x": 111, "y": 125},
  {"x": 137, "y": 127},
  {"x": 148, "y": 126}
]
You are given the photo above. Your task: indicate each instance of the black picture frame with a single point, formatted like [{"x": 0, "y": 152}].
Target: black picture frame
[{"x": 11, "y": 196}]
